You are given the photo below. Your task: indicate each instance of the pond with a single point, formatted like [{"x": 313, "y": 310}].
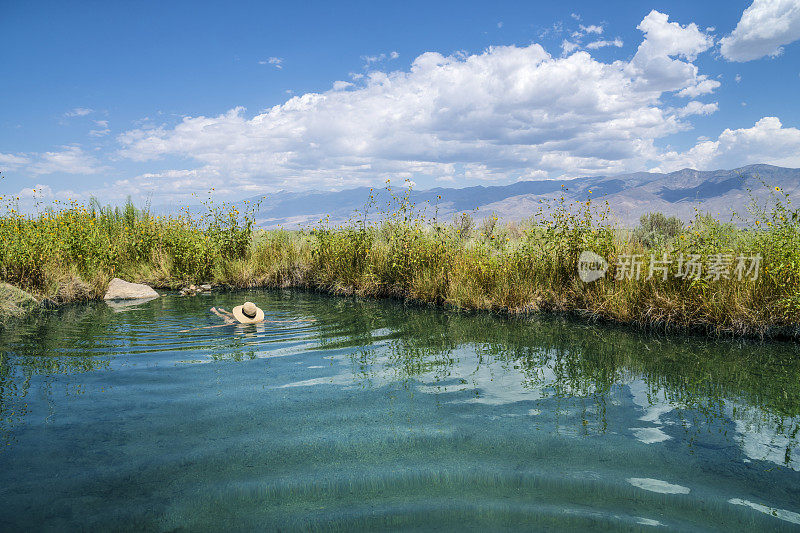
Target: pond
[{"x": 346, "y": 414}]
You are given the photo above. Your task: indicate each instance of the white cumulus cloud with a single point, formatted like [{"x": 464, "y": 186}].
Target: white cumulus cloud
[
  {"x": 702, "y": 85},
  {"x": 698, "y": 108},
  {"x": 276, "y": 62},
  {"x": 102, "y": 129},
  {"x": 12, "y": 161},
  {"x": 603, "y": 43},
  {"x": 341, "y": 85},
  {"x": 567, "y": 47},
  {"x": 378, "y": 58},
  {"x": 68, "y": 160},
  {"x": 499, "y": 114},
  {"x": 592, "y": 28},
  {"x": 664, "y": 59},
  {"x": 766, "y": 142},
  {"x": 39, "y": 190},
  {"x": 78, "y": 112},
  {"x": 765, "y": 27}
]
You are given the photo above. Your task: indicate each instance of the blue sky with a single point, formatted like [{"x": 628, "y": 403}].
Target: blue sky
[{"x": 165, "y": 99}]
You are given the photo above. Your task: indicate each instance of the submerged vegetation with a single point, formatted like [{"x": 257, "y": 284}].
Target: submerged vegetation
[{"x": 705, "y": 275}]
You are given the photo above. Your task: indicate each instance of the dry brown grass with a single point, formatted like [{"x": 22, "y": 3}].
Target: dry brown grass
[{"x": 515, "y": 268}]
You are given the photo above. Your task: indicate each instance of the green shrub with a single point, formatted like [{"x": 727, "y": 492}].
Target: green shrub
[{"x": 656, "y": 229}]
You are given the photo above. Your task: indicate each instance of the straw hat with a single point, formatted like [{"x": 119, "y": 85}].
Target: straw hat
[{"x": 248, "y": 313}]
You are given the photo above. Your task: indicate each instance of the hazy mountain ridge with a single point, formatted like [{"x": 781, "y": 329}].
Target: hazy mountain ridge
[{"x": 680, "y": 193}]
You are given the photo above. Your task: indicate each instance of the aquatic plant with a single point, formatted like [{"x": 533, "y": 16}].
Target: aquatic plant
[{"x": 69, "y": 252}]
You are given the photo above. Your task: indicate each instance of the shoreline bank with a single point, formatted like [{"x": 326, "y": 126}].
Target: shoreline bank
[
  {"x": 11, "y": 310},
  {"x": 743, "y": 281}
]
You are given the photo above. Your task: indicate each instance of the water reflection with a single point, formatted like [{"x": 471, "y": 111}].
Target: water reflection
[
  {"x": 366, "y": 399},
  {"x": 498, "y": 361},
  {"x": 697, "y": 382}
]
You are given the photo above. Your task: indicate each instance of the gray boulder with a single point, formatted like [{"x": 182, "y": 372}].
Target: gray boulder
[{"x": 120, "y": 289}]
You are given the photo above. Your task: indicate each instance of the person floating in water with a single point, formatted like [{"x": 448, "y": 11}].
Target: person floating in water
[{"x": 248, "y": 313}]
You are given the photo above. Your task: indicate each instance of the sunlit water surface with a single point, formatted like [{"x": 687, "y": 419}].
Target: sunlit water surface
[{"x": 345, "y": 414}]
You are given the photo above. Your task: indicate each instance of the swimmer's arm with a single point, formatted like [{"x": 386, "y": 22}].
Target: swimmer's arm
[{"x": 223, "y": 314}]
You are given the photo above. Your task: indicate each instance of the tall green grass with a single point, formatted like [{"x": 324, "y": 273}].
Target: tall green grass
[
  {"x": 395, "y": 251},
  {"x": 69, "y": 252},
  {"x": 532, "y": 266}
]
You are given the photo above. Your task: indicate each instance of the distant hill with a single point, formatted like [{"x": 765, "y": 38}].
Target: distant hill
[{"x": 680, "y": 193}]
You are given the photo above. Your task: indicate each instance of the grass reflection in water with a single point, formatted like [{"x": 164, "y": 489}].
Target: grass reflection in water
[{"x": 378, "y": 414}]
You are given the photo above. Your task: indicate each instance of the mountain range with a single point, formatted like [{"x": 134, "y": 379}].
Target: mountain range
[{"x": 723, "y": 193}]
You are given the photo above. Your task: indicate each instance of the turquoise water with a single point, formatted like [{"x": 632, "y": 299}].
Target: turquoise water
[{"x": 351, "y": 414}]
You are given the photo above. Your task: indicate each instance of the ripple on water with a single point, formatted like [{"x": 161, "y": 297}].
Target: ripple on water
[
  {"x": 783, "y": 514},
  {"x": 345, "y": 414},
  {"x": 657, "y": 485}
]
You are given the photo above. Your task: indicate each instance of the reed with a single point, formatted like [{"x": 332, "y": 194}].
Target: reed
[{"x": 69, "y": 253}]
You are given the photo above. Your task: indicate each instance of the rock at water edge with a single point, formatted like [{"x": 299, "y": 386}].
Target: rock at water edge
[{"x": 120, "y": 289}]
